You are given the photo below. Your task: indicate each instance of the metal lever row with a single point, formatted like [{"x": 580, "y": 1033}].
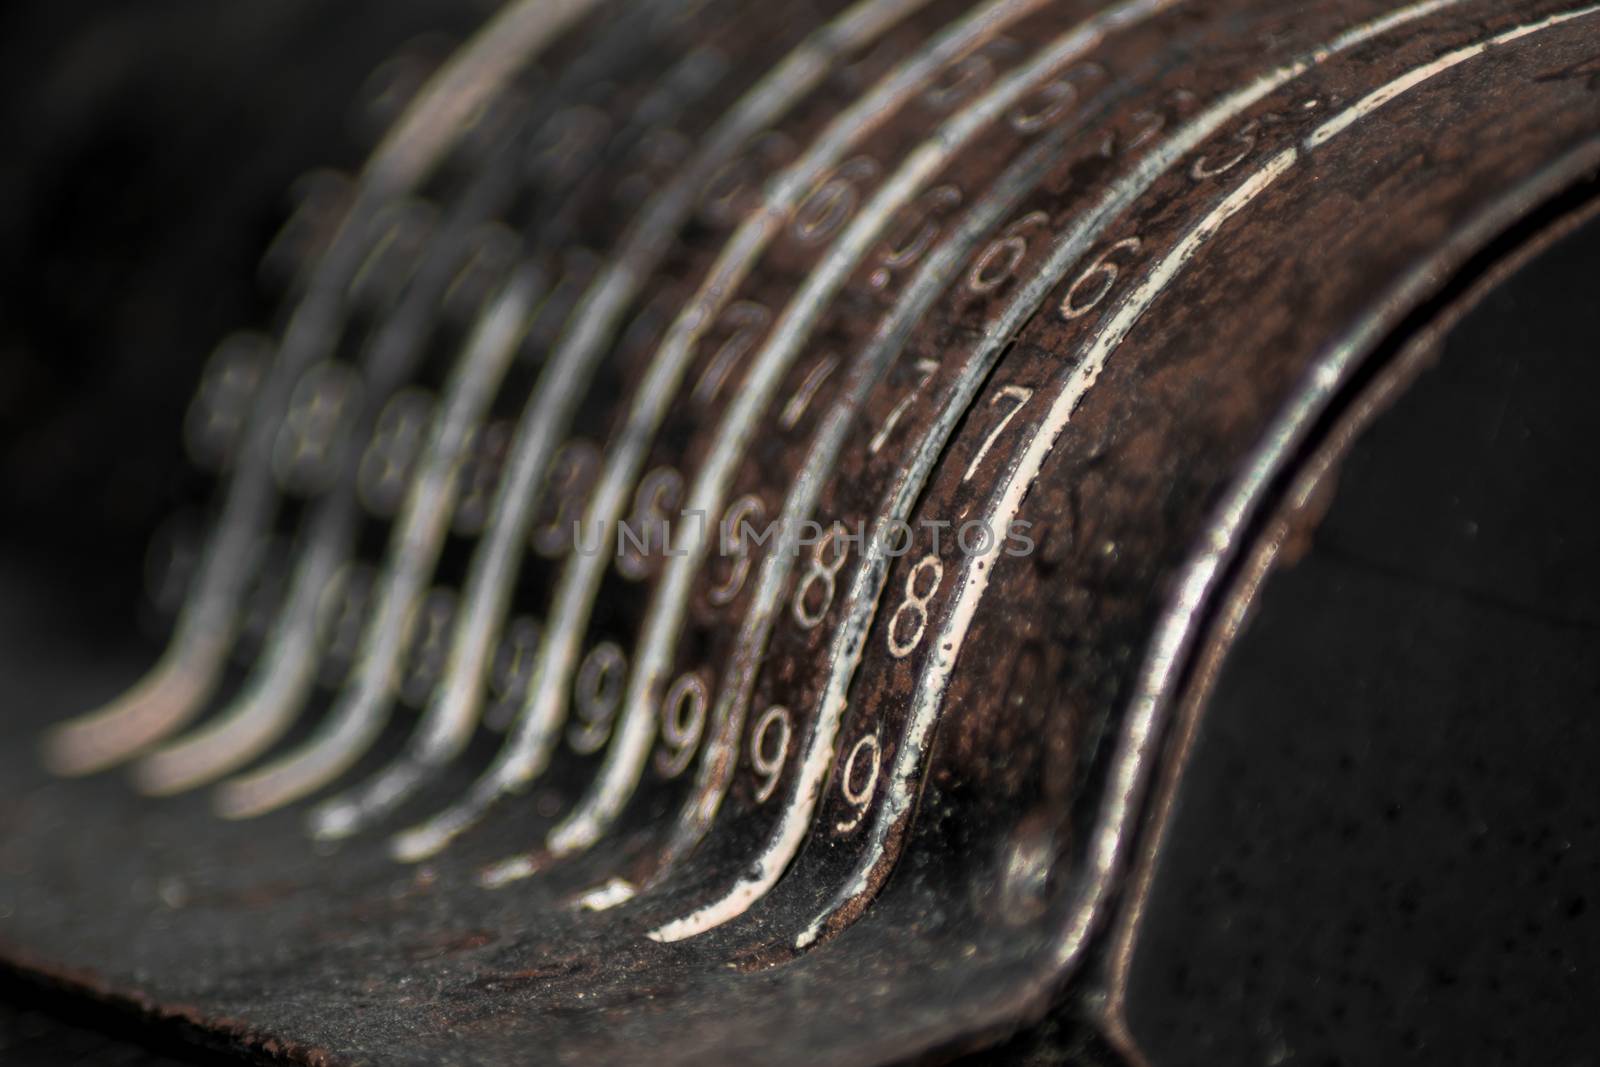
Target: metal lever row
[{"x": 821, "y": 311}]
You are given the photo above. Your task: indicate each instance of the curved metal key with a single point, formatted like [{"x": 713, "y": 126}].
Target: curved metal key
[{"x": 845, "y": 484}]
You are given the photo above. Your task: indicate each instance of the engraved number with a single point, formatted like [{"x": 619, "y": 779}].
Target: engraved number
[
  {"x": 1246, "y": 139},
  {"x": 599, "y": 694},
  {"x": 742, "y": 512},
  {"x": 1019, "y": 395},
  {"x": 834, "y": 201},
  {"x": 748, "y": 320},
  {"x": 821, "y": 577},
  {"x": 683, "y": 720},
  {"x": 925, "y": 371},
  {"x": 649, "y": 526},
  {"x": 911, "y": 616},
  {"x": 998, "y": 262},
  {"x": 769, "y": 748},
  {"x": 858, "y": 797},
  {"x": 1095, "y": 284}
]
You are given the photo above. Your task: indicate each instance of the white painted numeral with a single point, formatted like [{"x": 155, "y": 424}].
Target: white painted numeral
[
  {"x": 344, "y": 607},
  {"x": 821, "y": 576},
  {"x": 832, "y": 203},
  {"x": 598, "y": 695},
  {"x": 649, "y": 525},
  {"x": 683, "y": 721},
  {"x": 926, "y": 369},
  {"x": 858, "y": 797},
  {"x": 731, "y": 192},
  {"x": 921, "y": 227},
  {"x": 748, "y": 320},
  {"x": 767, "y": 755},
  {"x": 912, "y": 614},
  {"x": 999, "y": 260},
  {"x": 746, "y": 511},
  {"x": 1096, "y": 283},
  {"x": 795, "y": 409},
  {"x": 1245, "y": 138},
  {"x": 1046, "y": 105},
  {"x": 1019, "y": 395}
]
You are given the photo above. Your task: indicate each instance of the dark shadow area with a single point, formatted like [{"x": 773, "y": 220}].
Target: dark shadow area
[{"x": 1388, "y": 842}]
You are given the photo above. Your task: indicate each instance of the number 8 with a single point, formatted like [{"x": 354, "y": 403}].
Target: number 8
[
  {"x": 915, "y": 606},
  {"x": 824, "y": 574}
]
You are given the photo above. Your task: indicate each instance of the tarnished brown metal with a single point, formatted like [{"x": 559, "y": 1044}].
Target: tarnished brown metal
[{"x": 1111, "y": 272}]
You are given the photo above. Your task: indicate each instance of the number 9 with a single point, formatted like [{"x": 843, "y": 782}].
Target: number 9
[
  {"x": 769, "y": 767},
  {"x": 683, "y": 720}
]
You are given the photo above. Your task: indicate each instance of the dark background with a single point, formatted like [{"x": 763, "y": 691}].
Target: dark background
[{"x": 1388, "y": 846}]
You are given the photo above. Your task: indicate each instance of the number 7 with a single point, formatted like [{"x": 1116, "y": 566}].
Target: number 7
[
  {"x": 1021, "y": 394},
  {"x": 926, "y": 367}
]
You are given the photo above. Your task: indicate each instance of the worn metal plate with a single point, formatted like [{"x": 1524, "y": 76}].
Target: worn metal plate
[{"x": 1072, "y": 293}]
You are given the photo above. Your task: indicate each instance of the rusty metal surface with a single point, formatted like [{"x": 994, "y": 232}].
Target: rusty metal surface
[{"x": 1107, "y": 270}]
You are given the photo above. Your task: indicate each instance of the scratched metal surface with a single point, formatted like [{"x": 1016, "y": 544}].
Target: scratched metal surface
[{"x": 1101, "y": 269}]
